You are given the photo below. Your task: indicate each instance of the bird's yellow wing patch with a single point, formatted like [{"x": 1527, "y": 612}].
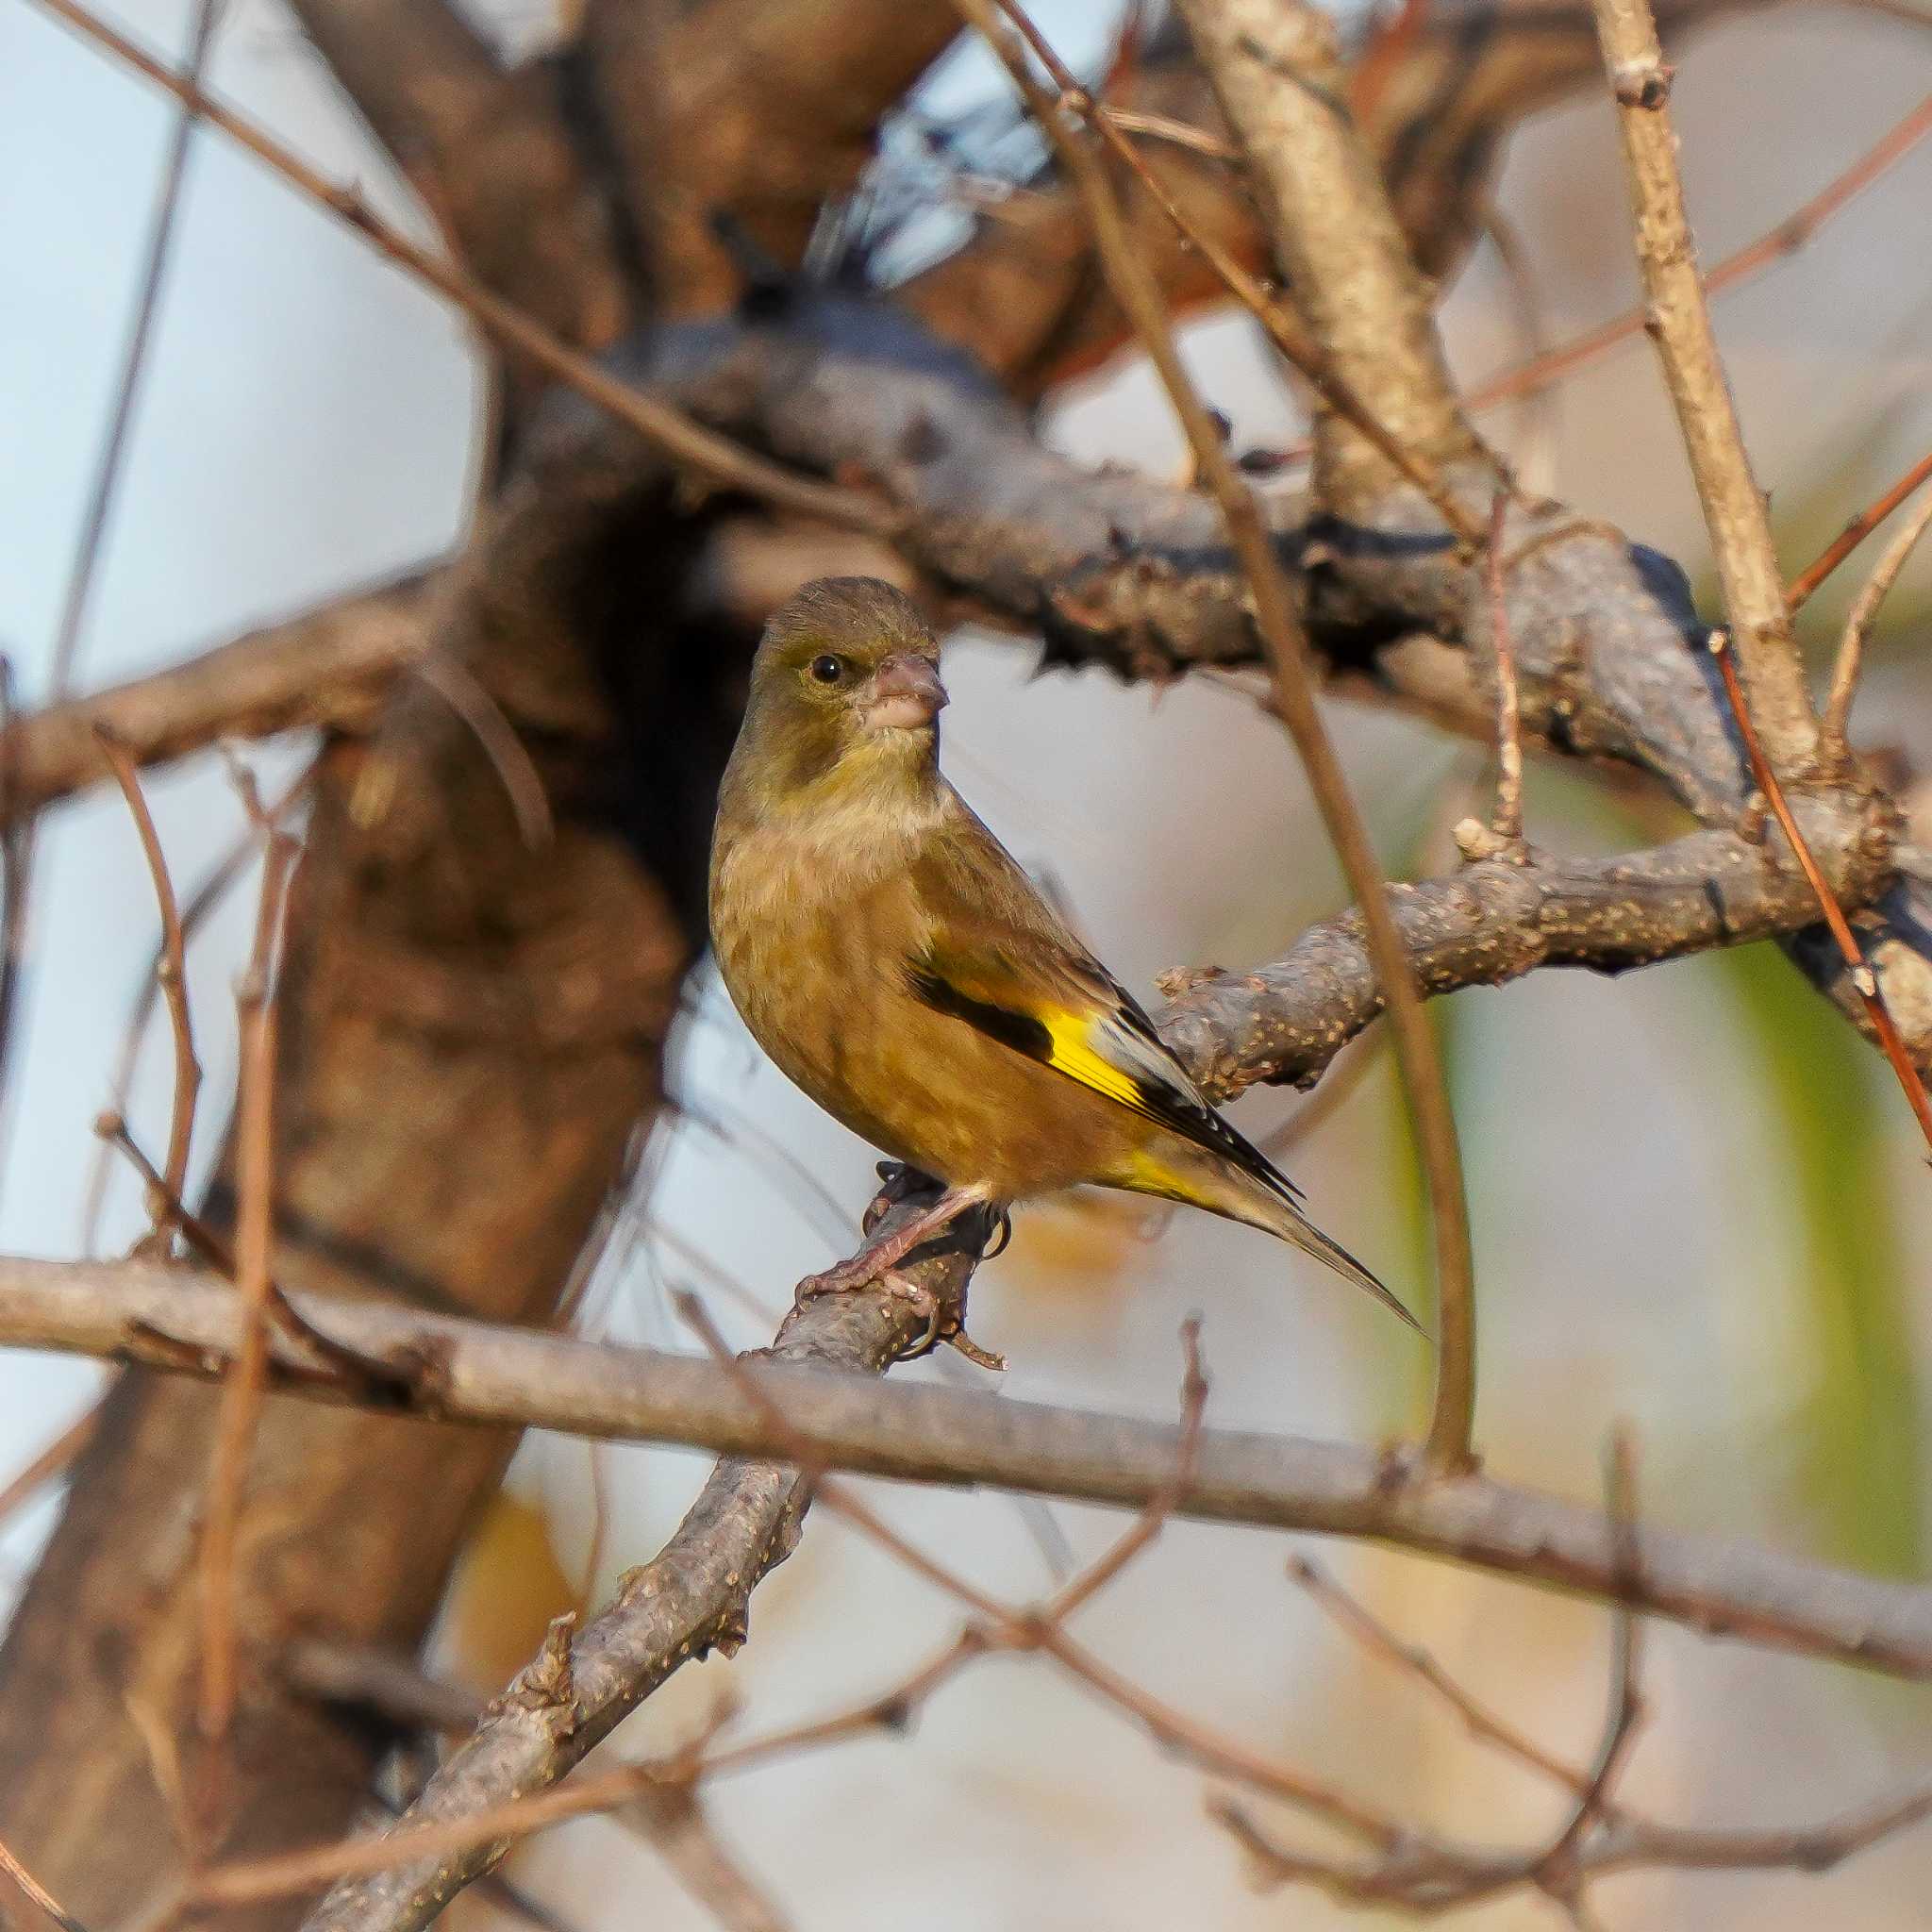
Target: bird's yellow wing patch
[
  {"x": 1072, "y": 1052},
  {"x": 1105, "y": 1043}
]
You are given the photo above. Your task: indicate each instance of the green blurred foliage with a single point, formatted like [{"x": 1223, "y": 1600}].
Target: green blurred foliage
[{"x": 1826, "y": 1107}]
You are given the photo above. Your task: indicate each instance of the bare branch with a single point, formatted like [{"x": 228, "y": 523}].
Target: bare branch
[
  {"x": 1856, "y": 531},
  {"x": 1281, "y": 631},
  {"x": 1832, "y": 750},
  {"x": 1379, "y": 1641},
  {"x": 1278, "y": 76},
  {"x": 707, "y": 454},
  {"x": 331, "y": 667},
  {"x": 477, "y": 1372},
  {"x": 1734, "y": 509},
  {"x": 1864, "y": 980},
  {"x": 1507, "y": 820},
  {"x": 18, "y": 1875},
  {"x": 245, "y": 1383},
  {"x": 53, "y": 1460},
  {"x": 172, "y": 971},
  {"x": 1776, "y": 244}
]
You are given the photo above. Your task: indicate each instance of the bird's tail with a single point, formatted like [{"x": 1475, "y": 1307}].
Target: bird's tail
[
  {"x": 1260, "y": 1195},
  {"x": 1290, "y": 1224}
]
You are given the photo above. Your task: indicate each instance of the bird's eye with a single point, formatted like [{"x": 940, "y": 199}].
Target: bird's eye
[{"x": 828, "y": 669}]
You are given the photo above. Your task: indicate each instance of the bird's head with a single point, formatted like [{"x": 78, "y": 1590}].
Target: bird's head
[{"x": 845, "y": 685}]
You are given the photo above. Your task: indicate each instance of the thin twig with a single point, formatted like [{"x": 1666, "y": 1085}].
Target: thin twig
[
  {"x": 1856, "y": 531},
  {"x": 1626, "y": 1710},
  {"x": 107, "y": 480},
  {"x": 703, "y": 452},
  {"x": 1448, "y": 1443},
  {"x": 1352, "y": 1617},
  {"x": 1680, "y": 322},
  {"x": 52, "y": 1461},
  {"x": 1776, "y": 244},
  {"x": 37, "y": 1892},
  {"x": 1290, "y": 335},
  {"x": 206, "y": 896},
  {"x": 458, "y": 687},
  {"x": 288, "y": 1873},
  {"x": 246, "y": 1381},
  {"x": 1864, "y": 981},
  {"x": 171, "y": 974},
  {"x": 1506, "y": 821},
  {"x": 1833, "y": 751},
  {"x": 1153, "y": 1518}
]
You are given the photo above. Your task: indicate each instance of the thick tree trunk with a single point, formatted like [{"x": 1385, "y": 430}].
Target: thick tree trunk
[{"x": 471, "y": 1040}]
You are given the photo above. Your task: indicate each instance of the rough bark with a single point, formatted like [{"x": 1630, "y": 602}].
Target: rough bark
[
  {"x": 465, "y": 1372},
  {"x": 470, "y": 1031}
]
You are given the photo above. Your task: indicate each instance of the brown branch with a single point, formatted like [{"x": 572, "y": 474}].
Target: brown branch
[
  {"x": 1376, "y": 1638},
  {"x": 1864, "y": 981},
  {"x": 332, "y": 666},
  {"x": 1506, "y": 819},
  {"x": 693, "y": 1597},
  {"x": 1555, "y": 1868},
  {"x": 1428, "y": 1882},
  {"x": 1290, "y": 335},
  {"x": 35, "y": 1894},
  {"x": 52, "y": 1461},
  {"x": 1679, "y": 323},
  {"x": 1833, "y": 752},
  {"x": 1776, "y": 244},
  {"x": 1253, "y": 78},
  {"x": 1278, "y": 74},
  {"x": 245, "y": 1383},
  {"x": 487, "y": 151},
  {"x": 170, "y": 974},
  {"x": 1856, "y": 531},
  {"x": 480, "y": 1374},
  {"x": 705, "y": 455}
]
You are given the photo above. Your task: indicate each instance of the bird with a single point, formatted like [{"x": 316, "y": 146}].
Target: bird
[{"x": 901, "y": 968}]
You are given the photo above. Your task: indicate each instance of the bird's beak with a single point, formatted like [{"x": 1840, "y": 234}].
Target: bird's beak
[{"x": 905, "y": 693}]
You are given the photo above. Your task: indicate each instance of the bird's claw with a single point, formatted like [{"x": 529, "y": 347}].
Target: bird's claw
[
  {"x": 897, "y": 1180},
  {"x": 944, "y": 1323}
]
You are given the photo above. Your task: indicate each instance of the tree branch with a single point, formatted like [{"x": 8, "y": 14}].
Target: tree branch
[
  {"x": 1679, "y": 324},
  {"x": 472, "y": 1372},
  {"x": 691, "y": 1598},
  {"x": 332, "y": 666},
  {"x": 488, "y": 153}
]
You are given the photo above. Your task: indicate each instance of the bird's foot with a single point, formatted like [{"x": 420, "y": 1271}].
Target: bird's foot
[
  {"x": 945, "y": 1324},
  {"x": 876, "y": 1264},
  {"x": 898, "y": 1181}
]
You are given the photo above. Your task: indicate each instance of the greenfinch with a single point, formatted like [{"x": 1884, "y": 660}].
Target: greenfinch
[{"x": 899, "y": 966}]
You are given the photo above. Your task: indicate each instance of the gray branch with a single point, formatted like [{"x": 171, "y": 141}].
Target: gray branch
[{"x": 475, "y": 1373}]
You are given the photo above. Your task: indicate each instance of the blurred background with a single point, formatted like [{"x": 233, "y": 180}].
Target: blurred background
[{"x": 1698, "y": 1203}]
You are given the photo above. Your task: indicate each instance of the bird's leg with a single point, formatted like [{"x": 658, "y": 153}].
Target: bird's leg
[
  {"x": 881, "y": 1255},
  {"x": 877, "y": 1262},
  {"x": 897, "y": 1182}
]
